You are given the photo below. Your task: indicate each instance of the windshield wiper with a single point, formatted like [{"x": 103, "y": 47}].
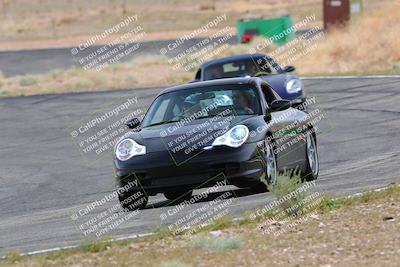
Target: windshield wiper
[
  {"x": 162, "y": 122},
  {"x": 212, "y": 115}
]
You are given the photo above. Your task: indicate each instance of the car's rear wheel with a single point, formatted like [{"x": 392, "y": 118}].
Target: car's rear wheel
[
  {"x": 312, "y": 167},
  {"x": 178, "y": 194},
  {"x": 133, "y": 200}
]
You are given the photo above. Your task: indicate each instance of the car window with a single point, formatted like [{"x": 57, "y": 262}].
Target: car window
[
  {"x": 160, "y": 113},
  {"x": 176, "y": 111},
  {"x": 242, "y": 68},
  {"x": 232, "y": 67},
  {"x": 195, "y": 103},
  {"x": 269, "y": 94},
  {"x": 267, "y": 65},
  {"x": 218, "y": 98}
]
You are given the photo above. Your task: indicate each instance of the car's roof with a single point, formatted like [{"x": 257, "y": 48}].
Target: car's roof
[
  {"x": 231, "y": 59},
  {"x": 228, "y": 81}
]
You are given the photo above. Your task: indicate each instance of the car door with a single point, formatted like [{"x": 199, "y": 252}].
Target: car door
[{"x": 288, "y": 128}]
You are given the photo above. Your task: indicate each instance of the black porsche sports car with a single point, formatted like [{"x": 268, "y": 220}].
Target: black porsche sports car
[{"x": 194, "y": 135}]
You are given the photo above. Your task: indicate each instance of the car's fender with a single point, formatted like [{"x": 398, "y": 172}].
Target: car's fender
[{"x": 278, "y": 83}]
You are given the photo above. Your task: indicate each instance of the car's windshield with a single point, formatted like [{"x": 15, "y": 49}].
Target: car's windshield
[
  {"x": 242, "y": 68},
  {"x": 197, "y": 103}
]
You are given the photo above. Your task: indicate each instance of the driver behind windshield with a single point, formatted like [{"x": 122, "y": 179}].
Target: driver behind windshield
[
  {"x": 191, "y": 106},
  {"x": 217, "y": 72},
  {"x": 251, "y": 69},
  {"x": 243, "y": 102}
]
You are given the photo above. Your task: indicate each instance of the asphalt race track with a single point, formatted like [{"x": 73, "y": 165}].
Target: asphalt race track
[
  {"x": 39, "y": 61},
  {"x": 44, "y": 181}
]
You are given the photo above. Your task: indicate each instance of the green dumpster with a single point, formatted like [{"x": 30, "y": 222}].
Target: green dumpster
[{"x": 270, "y": 28}]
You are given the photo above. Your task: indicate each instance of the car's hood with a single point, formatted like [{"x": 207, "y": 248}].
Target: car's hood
[
  {"x": 275, "y": 80},
  {"x": 182, "y": 135}
]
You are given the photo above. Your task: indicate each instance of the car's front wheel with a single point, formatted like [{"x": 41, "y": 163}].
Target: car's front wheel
[
  {"x": 271, "y": 168},
  {"x": 133, "y": 200},
  {"x": 312, "y": 167}
]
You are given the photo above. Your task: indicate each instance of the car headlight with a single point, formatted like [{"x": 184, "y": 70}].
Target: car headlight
[
  {"x": 235, "y": 137},
  {"x": 128, "y": 148},
  {"x": 294, "y": 86}
]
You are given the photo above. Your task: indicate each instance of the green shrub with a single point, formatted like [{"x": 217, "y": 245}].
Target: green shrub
[
  {"x": 76, "y": 72},
  {"x": 130, "y": 79},
  {"x": 216, "y": 244},
  {"x": 13, "y": 257},
  {"x": 82, "y": 84},
  {"x": 27, "y": 81},
  {"x": 291, "y": 203},
  {"x": 3, "y": 92},
  {"x": 2, "y": 79},
  {"x": 55, "y": 74},
  {"x": 96, "y": 246},
  {"x": 330, "y": 204}
]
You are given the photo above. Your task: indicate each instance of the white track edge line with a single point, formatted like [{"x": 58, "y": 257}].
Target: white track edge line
[
  {"x": 350, "y": 77},
  {"x": 36, "y": 252},
  {"x": 31, "y": 253}
]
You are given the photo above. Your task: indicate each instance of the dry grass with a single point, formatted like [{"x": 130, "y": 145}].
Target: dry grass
[
  {"x": 147, "y": 72},
  {"x": 2, "y": 79},
  {"x": 364, "y": 232},
  {"x": 25, "y": 22},
  {"x": 370, "y": 44},
  {"x": 47, "y": 23},
  {"x": 367, "y": 45}
]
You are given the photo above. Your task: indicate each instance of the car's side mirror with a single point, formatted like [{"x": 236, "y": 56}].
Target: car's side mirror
[
  {"x": 133, "y": 123},
  {"x": 279, "y": 105},
  {"x": 289, "y": 69}
]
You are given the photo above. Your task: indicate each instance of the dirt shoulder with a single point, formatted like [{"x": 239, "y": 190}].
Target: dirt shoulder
[
  {"x": 74, "y": 41},
  {"x": 362, "y": 231}
]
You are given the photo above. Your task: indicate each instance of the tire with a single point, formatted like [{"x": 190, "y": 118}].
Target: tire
[
  {"x": 271, "y": 168},
  {"x": 133, "y": 200},
  {"x": 312, "y": 162},
  {"x": 178, "y": 194}
]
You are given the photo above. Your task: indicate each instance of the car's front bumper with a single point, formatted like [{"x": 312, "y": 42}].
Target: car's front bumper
[{"x": 159, "y": 172}]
